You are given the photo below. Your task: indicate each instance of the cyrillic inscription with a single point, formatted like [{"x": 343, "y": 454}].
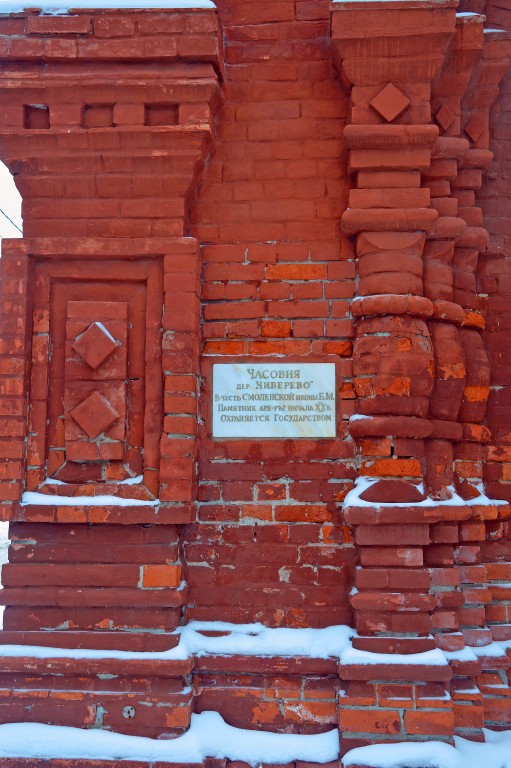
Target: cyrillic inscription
[{"x": 294, "y": 400}]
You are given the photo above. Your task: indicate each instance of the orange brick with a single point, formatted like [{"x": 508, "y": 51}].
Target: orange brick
[
  {"x": 400, "y": 696},
  {"x": 178, "y": 717},
  {"x": 303, "y": 513},
  {"x": 342, "y": 348},
  {"x": 429, "y": 723},
  {"x": 393, "y": 468},
  {"x": 161, "y": 576},
  {"x": 375, "y": 447},
  {"x": 358, "y": 695},
  {"x": 257, "y": 511},
  {"x": 296, "y": 272},
  {"x": 224, "y": 348},
  {"x": 276, "y": 329},
  {"x": 370, "y": 721},
  {"x": 311, "y": 712},
  {"x": 468, "y": 716}
]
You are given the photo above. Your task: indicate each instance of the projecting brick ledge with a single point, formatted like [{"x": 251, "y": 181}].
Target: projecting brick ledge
[
  {"x": 164, "y": 514},
  {"x": 411, "y": 672},
  {"x": 89, "y": 667}
]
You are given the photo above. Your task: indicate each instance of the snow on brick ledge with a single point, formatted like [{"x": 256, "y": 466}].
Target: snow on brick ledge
[
  {"x": 46, "y": 500},
  {"x": 495, "y": 753},
  {"x": 220, "y": 638},
  {"x": 208, "y": 736},
  {"x": 59, "y": 7},
  {"x": 235, "y": 639}
]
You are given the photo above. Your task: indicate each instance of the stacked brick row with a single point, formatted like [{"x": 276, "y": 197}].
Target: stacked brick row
[
  {"x": 106, "y": 171},
  {"x": 277, "y": 280},
  {"x": 492, "y": 288},
  {"x": 439, "y": 399}
]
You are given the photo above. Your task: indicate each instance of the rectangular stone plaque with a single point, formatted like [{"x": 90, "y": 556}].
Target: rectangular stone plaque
[{"x": 286, "y": 401}]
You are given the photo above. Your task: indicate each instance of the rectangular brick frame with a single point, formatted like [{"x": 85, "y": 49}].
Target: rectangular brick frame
[{"x": 175, "y": 443}]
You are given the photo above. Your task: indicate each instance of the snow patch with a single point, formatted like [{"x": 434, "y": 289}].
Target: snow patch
[
  {"x": 258, "y": 640},
  {"x": 495, "y": 753},
  {"x": 243, "y": 639},
  {"x": 483, "y": 498},
  {"x": 132, "y": 480},
  {"x": 103, "y": 328},
  {"x": 362, "y": 483},
  {"x": 226, "y": 639},
  {"x": 45, "y": 500},
  {"x": 433, "y": 658},
  {"x": 430, "y": 754},
  {"x": 466, "y": 654},
  {"x": 56, "y": 8},
  {"x": 4, "y": 547},
  {"x": 208, "y": 736}
]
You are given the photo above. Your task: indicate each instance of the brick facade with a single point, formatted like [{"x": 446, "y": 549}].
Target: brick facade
[{"x": 284, "y": 181}]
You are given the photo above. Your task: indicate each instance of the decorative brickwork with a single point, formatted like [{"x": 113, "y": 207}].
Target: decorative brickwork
[{"x": 279, "y": 182}]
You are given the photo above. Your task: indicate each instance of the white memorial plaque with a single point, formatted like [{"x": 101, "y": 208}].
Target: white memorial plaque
[{"x": 291, "y": 400}]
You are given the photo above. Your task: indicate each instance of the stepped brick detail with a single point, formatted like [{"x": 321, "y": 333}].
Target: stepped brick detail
[{"x": 283, "y": 182}]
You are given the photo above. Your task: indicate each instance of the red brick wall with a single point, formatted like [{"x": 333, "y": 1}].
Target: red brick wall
[
  {"x": 494, "y": 282},
  {"x": 277, "y": 279},
  {"x": 495, "y": 278}
]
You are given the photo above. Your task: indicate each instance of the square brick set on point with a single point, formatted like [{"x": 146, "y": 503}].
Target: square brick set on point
[{"x": 201, "y": 191}]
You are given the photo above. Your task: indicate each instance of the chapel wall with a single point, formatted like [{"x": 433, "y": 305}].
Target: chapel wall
[
  {"x": 494, "y": 284},
  {"x": 270, "y": 543}
]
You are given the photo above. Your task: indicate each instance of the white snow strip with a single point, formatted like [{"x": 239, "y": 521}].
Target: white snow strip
[
  {"x": 4, "y": 547},
  {"x": 101, "y": 326},
  {"x": 375, "y": 295},
  {"x": 353, "y": 499},
  {"x": 56, "y": 8},
  {"x": 430, "y": 754},
  {"x": 129, "y": 481},
  {"x": 132, "y": 480},
  {"x": 208, "y": 736},
  {"x": 483, "y": 499},
  {"x": 466, "y": 654},
  {"x": 45, "y": 500},
  {"x": 243, "y": 639},
  {"x": 258, "y": 640},
  {"x": 433, "y": 658},
  {"x": 495, "y": 753},
  {"x": 493, "y": 650}
]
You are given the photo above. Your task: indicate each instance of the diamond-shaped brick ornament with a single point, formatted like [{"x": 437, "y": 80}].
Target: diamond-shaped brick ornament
[
  {"x": 94, "y": 415},
  {"x": 445, "y": 117},
  {"x": 474, "y": 128},
  {"x": 390, "y": 103},
  {"x": 95, "y": 345}
]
